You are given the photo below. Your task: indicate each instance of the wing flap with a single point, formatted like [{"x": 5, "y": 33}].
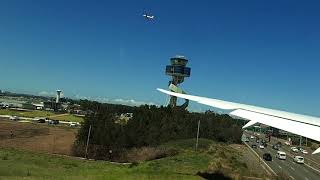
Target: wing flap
[{"x": 295, "y": 127}]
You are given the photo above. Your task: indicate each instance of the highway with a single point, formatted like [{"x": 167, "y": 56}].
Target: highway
[{"x": 288, "y": 166}]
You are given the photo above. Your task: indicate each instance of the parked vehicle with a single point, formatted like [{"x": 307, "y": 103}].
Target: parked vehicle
[
  {"x": 14, "y": 118},
  {"x": 261, "y": 146},
  {"x": 41, "y": 120},
  {"x": 254, "y": 146},
  {"x": 73, "y": 124},
  {"x": 304, "y": 151},
  {"x": 53, "y": 122}
]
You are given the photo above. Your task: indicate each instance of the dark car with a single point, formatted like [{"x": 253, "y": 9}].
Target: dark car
[
  {"x": 279, "y": 144},
  {"x": 254, "y": 146},
  {"x": 41, "y": 121},
  {"x": 53, "y": 122},
  {"x": 275, "y": 147},
  {"x": 267, "y": 157}
]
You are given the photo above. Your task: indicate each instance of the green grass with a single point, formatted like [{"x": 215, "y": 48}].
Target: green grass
[
  {"x": 69, "y": 117},
  {"x": 36, "y": 113},
  {"x": 17, "y": 164},
  {"x": 30, "y": 114}
]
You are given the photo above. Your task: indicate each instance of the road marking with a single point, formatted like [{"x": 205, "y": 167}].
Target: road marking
[
  {"x": 292, "y": 168},
  {"x": 312, "y": 168},
  {"x": 292, "y": 177}
]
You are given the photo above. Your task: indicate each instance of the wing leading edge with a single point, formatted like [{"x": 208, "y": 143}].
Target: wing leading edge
[{"x": 307, "y": 126}]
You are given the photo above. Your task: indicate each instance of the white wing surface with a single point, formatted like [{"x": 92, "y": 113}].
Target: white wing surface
[{"x": 307, "y": 126}]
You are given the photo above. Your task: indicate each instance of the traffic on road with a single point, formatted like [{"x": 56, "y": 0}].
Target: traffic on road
[{"x": 282, "y": 158}]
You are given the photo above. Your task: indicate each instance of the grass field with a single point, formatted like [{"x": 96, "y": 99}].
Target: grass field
[
  {"x": 35, "y": 113},
  {"x": 17, "y": 164},
  {"x": 68, "y": 117},
  {"x": 30, "y": 114},
  {"x": 26, "y": 156}
]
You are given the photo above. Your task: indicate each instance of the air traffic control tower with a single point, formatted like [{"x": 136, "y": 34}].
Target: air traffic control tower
[{"x": 178, "y": 71}]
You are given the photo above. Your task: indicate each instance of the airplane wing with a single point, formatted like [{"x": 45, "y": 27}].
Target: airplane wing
[{"x": 303, "y": 125}]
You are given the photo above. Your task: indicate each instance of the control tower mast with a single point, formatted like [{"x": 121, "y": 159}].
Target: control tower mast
[{"x": 178, "y": 71}]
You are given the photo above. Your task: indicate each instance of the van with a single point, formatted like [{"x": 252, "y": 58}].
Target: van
[
  {"x": 299, "y": 159},
  {"x": 281, "y": 155}
]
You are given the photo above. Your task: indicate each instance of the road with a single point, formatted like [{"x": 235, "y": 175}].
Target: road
[{"x": 288, "y": 166}]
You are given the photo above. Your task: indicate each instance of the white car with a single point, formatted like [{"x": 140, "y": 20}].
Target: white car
[
  {"x": 261, "y": 146},
  {"x": 294, "y": 149},
  {"x": 299, "y": 159},
  {"x": 73, "y": 124},
  {"x": 281, "y": 155},
  {"x": 14, "y": 118},
  {"x": 304, "y": 151},
  {"x": 252, "y": 137},
  {"x": 287, "y": 143}
]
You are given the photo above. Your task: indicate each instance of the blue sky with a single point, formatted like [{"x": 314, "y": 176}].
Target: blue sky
[{"x": 264, "y": 53}]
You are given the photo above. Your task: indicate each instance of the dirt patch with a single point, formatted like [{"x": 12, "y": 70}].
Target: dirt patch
[{"x": 37, "y": 137}]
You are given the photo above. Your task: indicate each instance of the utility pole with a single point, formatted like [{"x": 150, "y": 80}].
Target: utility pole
[
  {"x": 300, "y": 140},
  {"x": 306, "y": 142},
  {"x": 198, "y": 135},
  {"x": 88, "y": 141}
]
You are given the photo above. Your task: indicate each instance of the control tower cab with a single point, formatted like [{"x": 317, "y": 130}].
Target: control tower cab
[{"x": 178, "y": 71}]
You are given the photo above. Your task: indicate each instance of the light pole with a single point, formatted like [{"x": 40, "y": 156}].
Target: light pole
[
  {"x": 88, "y": 141},
  {"x": 198, "y": 135}
]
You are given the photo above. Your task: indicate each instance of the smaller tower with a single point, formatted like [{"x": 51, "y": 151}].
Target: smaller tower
[{"x": 58, "y": 96}]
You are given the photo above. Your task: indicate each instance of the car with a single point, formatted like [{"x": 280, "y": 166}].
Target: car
[
  {"x": 298, "y": 159},
  {"x": 252, "y": 137},
  {"x": 14, "y": 118},
  {"x": 41, "y": 120},
  {"x": 281, "y": 155},
  {"x": 254, "y": 146},
  {"x": 279, "y": 144},
  {"x": 53, "y": 122},
  {"x": 261, "y": 146},
  {"x": 265, "y": 144},
  {"x": 300, "y": 149},
  {"x": 304, "y": 151},
  {"x": 275, "y": 147},
  {"x": 294, "y": 149},
  {"x": 287, "y": 143},
  {"x": 267, "y": 157},
  {"x": 73, "y": 124}
]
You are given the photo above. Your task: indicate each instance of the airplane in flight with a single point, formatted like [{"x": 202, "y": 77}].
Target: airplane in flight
[
  {"x": 303, "y": 125},
  {"x": 148, "y": 17}
]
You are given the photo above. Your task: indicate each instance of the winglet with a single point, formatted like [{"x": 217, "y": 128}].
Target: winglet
[
  {"x": 316, "y": 151},
  {"x": 250, "y": 123}
]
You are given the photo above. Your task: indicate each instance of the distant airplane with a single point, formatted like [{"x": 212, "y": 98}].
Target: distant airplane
[
  {"x": 306, "y": 126},
  {"x": 147, "y": 16}
]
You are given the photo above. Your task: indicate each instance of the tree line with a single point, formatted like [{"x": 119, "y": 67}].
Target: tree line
[{"x": 149, "y": 126}]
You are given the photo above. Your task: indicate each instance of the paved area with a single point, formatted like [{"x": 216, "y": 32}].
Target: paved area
[{"x": 288, "y": 166}]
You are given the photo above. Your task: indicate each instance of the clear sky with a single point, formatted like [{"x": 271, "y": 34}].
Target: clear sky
[{"x": 264, "y": 52}]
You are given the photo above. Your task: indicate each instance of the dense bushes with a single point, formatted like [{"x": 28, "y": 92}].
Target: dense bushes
[{"x": 149, "y": 127}]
